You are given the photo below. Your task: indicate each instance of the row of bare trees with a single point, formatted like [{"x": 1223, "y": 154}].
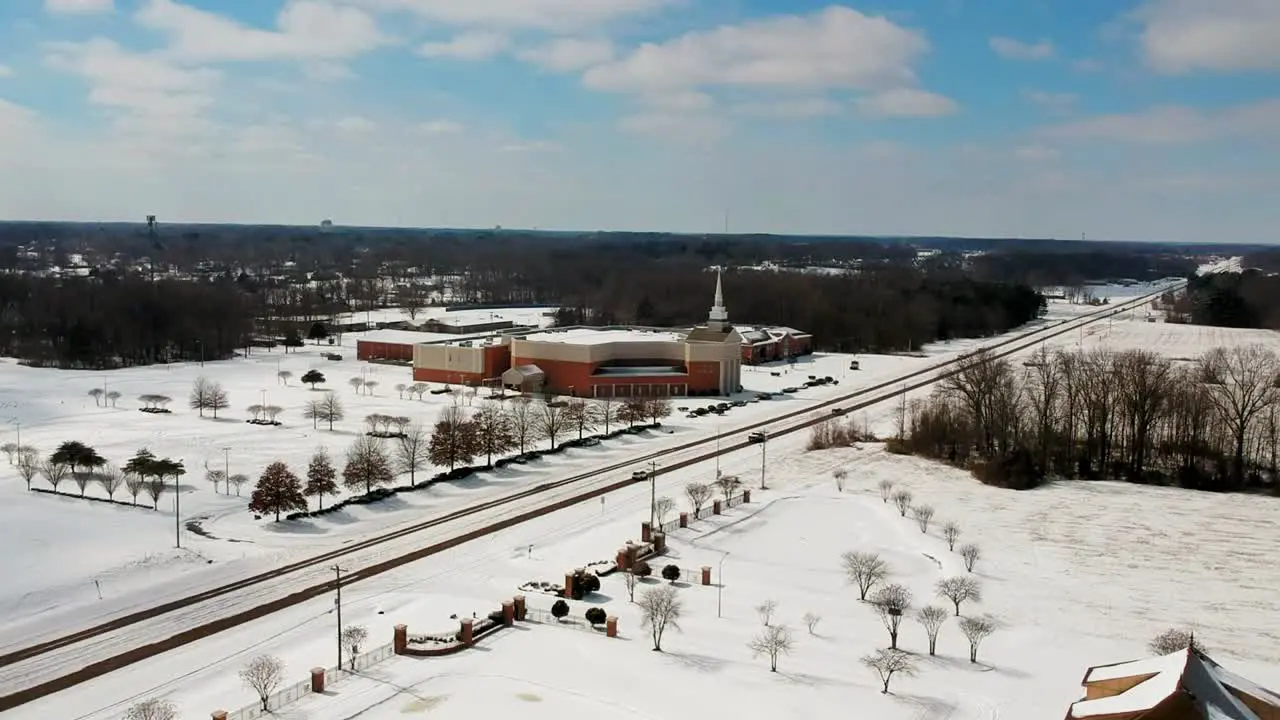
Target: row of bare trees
[{"x": 1211, "y": 423}]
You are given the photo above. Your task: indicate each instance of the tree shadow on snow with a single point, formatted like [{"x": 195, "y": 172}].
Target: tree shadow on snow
[
  {"x": 703, "y": 663},
  {"x": 963, "y": 664},
  {"x": 295, "y": 527}
]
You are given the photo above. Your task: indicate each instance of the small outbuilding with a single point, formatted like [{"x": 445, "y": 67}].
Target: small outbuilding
[{"x": 524, "y": 378}]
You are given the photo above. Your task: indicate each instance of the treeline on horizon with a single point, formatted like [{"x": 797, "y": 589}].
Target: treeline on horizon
[
  {"x": 1249, "y": 299},
  {"x": 241, "y": 280}
]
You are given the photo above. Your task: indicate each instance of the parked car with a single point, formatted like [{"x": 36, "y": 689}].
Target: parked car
[
  {"x": 756, "y": 437},
  {"x": 790, "y": 390}
]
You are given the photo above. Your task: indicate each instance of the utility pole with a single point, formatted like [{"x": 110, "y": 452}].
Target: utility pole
[
  {"x": 717, "y": 452},
  {"x": 764, "y": 441},
  {"x": 338, "y": 570},
  {"x": 653, "y": 492},
  {"x": 226, "y": 469},
  {"x": 177, "y": 510}
]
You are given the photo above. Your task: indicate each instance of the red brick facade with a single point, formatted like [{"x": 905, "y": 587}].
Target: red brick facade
[
  {"x": 564, "y": 377},
  {"x": 370, "y": 350},
  {"x": 780, "y": 348}
]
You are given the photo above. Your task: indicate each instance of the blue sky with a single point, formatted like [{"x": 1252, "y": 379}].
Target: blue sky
[{"x": 1136, "y": 119}]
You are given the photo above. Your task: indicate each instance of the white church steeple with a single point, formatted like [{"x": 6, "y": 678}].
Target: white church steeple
[{"x": 718, "y": 319}]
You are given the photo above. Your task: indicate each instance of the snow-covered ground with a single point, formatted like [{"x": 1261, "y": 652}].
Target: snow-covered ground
[{"x": 1077, "y": 574}]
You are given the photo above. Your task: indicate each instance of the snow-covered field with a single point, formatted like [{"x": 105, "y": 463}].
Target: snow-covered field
[{"x": 1077, "y": 574}]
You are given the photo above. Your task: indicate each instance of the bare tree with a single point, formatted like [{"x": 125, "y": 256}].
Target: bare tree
[
  {"x": 110, "y": 478},
  {"x": 330, "y": 409},
  {"x": 976, "y": 629},
  {"x": 1244, "y": 385},
  {"x": 255, "y": 410},
  {"x": 932, "y": 618},
  {"x": 959, "y": 589},
  {"x": 728, "y": 484},
  {"x": 354, "y": 636},
  {"x": 886, "y": 490},
  {"x": 765, "y": 611},
  {"x": 412, "y": 451},
  {"x": 923, "y": 514},
  {"x": 551, "y": 420},
  {"x": 28, "y": 465},
  {"x": 902, "y": 500},
  {"x": 283, "y": 377},
  {"x": 662, "y": 507},
  {"x": 400, "y": 388},
  {"x": 1173, "y": 640},
  {"x": 660, "y": 608},
  {"x": 578, "y": 414},
  {"x": 773, "y": 641},
  {"x": 134, "y": 484},
  {"x": 811, "y": 621},
  {"x": 238, "y": 480},
  {"x": 367, "y": 465},
  {"x": 864, "y": 569},
  {"x": 272, "y": 412},
  {"x": 631, "y": 580},
  {"x": 454, "y": 440},
  {"x": 155, "y": 487},
  {"x": 356, "y": 384},
  {"x": 263, "y": 675},
  {"x": 840, "y": 476},
  {"x": 951, "y": 533},
  {"x": 10, "y": 449},
  {"x": 892, "y": 603},
  {"x": 606, "y": 411},
  {"x": 888, "y": 663},
  {"x": 152, "y": 709},
  {"x": 523, "y": 422},
  {"x": 54, "y": 473},
  {"x": 97, "y": 394},
  {"x": 312, "y": 411},
  {"x": 201, "y": 395},
  {"x": 970, "y": 553},
  {"x": 698, "y": 494},
  {"x": 493, "y": 430}
]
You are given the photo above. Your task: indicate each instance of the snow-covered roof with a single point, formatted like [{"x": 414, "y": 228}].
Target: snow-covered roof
[
  {"x": 402, "y": 337},
  {"x": 591, "y": 336},
  {"x": 1208, "y": 686}
]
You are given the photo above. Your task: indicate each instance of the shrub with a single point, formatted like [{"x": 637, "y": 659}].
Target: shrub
[
  {"x": 588, "y": 581},
  {"x": 596, "y": 616},
  {"x": 671, "y": 572},
  {"x": 642, "y": 569},
  {"x": 560, "y": 609}
]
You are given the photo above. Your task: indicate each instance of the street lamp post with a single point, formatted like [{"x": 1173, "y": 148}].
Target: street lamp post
[
  {"x": 717, "y": 452},
  {"x": 653, "y": 492},
  {"x": 764, "y": 441},
  {"x": 720, "y": 584},
  {"x": 338, "y": 570}
]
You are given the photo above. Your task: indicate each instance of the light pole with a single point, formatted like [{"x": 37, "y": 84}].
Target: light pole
[
  {"x": 717, "y": 452},
  {"x": 226, "y": 469},
  {"x": 177, "y": 510},
  {"x": 764, "y": 441},
  {"x": 653, "y": 492},
  {"x": 720, "y": 584},
  {"x": 338, "y": 570}
]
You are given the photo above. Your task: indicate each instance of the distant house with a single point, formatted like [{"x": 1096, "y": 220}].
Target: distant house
[
  {"x": 1185, "y": 685},
  {"x": 769, "y": 344}
]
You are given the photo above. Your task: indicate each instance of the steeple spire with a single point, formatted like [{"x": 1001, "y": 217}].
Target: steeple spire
[{"x": 718, "y": 319}]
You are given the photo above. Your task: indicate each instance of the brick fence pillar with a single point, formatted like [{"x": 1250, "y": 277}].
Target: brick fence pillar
[
  {"x": 317, "y": 680},
  {"x": 467, "y": 636},
  {"x": 521, "y": 609},
  {"x": 659, "y": 543},
  {"x": 568, "y": 586},
  {"x": 508, "y": 612},
  {"x": 622, "y": 560},
  {"x": 684, "y": 519},
  {"x": 746, "y": 495},
  {"x": 715, "y": 507},
  {"x": 706, "y": 574},
  {"x": 400, "y": 641},
  {"x": 646, "y": 531},
  {"x": 611, "y": 626},
  {"x": 219, "y": 715}
]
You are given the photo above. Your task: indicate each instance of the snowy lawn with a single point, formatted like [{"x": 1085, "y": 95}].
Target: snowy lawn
[{"x": 1077, "y": 573}]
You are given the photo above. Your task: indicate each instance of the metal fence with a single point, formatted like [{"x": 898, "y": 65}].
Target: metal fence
[
  {"x": 670, "y": 527},
  {"x": 733, "y": 500},
  {"x": 544, "y": 617},
  {"x": 297, "y": 691}
]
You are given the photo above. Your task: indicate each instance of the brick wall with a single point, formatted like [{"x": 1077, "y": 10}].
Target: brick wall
[{"x": 367, "y": 350}]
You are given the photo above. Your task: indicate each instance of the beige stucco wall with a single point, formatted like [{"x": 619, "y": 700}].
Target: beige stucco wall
[{"x": 450, "y": 358}]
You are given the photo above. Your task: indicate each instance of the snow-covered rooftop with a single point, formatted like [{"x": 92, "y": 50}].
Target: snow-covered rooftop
[
  {"x": 406, "y": 337},
  {"x": 589, "y": 336}
]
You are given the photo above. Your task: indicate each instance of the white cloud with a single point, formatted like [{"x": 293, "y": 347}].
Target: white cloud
[
  {"x": 1036, "y": 153},
  {"x": 307, "y": 29},
  {"x": 79, "y": 7},
  {"x": 355, "y": 124},
  {"x": 1177, "y": 124},
  {"x": 531, "y": 146},
  {"x": 789, "y": 108},
  {"x": 677, "y": 101},
  {"x": 836, "y": 47},
  {"x": 1179, "y": 36},
  {"x": 569, "y": 54},
  {"x": 150, "y": 90},
  {"x": 440, "y": 127},
  {"x": 327, "y": 71},
  {"x": 1088, "y": 65},
  {"x": 480, "y": 45},
  {"x": 1011, "y": 49},
  {"x": 680, "y": 127},
  {"x": 558, "y": 15},
  {"x": 908, "y": 102},
  {"x": 6, "y": 71},
  {"x": 1057, "y": 101}
]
